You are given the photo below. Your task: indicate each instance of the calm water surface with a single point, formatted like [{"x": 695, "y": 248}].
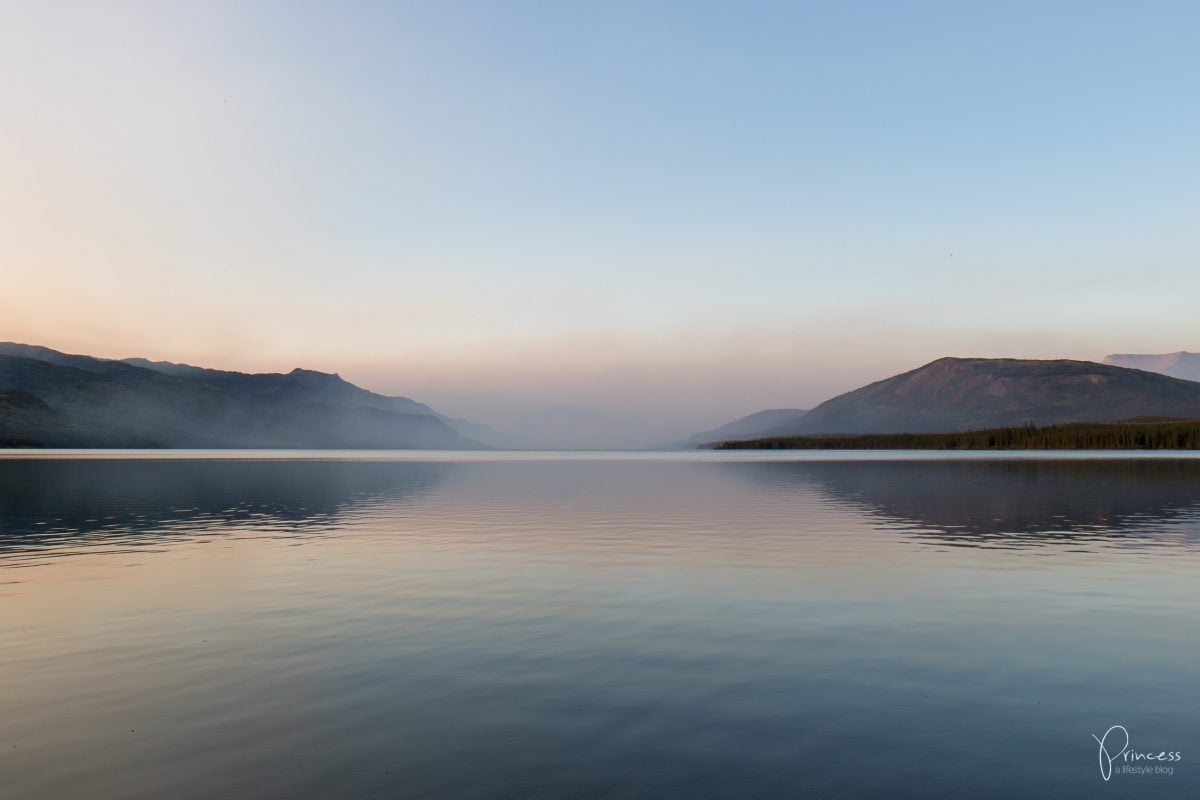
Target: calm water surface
[{"x": 595, "y": 626}]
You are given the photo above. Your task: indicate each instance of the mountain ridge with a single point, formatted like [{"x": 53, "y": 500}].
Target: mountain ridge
[
  {"x": 953, "y": 394},
  {"x": 95, "y": 402}
]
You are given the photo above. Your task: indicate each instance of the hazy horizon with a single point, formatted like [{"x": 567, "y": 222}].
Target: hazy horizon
[
  {"x": 605, "y": 423},
  {"x": 561, "y": 239},
  {"x": 671, "y": 215}
]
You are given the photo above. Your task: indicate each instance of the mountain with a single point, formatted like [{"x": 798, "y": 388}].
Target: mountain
[
  {"x": 22, "y": 418},
  {"x": 62, "y": 400},
  {"x": 335, "y": 391},
  {"x": 750, "y": 426},
  {"x": 954, "y": 394},
  {"x": 1183, "y": 364}
]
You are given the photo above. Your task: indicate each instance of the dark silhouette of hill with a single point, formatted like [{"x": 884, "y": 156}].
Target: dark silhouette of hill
[
  {"x": 958, "y": 394},
  {"x": 55, "y": 399}
]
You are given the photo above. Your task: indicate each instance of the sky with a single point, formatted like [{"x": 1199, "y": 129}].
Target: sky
[{"x": 659, "y": 215}]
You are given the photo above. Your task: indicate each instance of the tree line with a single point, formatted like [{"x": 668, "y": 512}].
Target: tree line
[{"x": 1132, "y": 435}]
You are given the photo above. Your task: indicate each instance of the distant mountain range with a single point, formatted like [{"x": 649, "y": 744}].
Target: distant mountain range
[
  {"x": 956, "y": 394},
  {"x": 1183, "y": 364},
  {"x": 751, "y": 426},
  {"x": 54, "y": 399}
]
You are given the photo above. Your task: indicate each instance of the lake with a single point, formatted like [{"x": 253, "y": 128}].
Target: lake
[{"x": 672, "y": 625}]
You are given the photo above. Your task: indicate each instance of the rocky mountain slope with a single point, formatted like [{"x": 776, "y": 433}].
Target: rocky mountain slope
[
  {"x": 953, "y": 394},
  {"x": 57, "y": 399}
]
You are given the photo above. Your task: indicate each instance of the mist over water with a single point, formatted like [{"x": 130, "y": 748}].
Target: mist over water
[{"x": 575, "y": 625}]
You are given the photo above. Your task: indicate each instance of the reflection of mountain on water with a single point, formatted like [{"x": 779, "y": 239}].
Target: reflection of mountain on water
[
  {"x": 1010, "y": 503},
  {"x": 50, "y": 502}
]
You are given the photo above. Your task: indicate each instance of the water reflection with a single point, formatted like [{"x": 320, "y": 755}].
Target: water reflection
[
  {"x": 592, "y": 629},
  {"x": 56, "y": 503},
  {"x": 62, "y": 505},
  {"x": 1019, "y": 503}
]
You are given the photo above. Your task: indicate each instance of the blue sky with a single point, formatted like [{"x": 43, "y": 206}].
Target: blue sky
[{"x": 680, "y": 211}]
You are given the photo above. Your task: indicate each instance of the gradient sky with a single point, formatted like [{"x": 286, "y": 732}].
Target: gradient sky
[{"x": 679, "y": 211}]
